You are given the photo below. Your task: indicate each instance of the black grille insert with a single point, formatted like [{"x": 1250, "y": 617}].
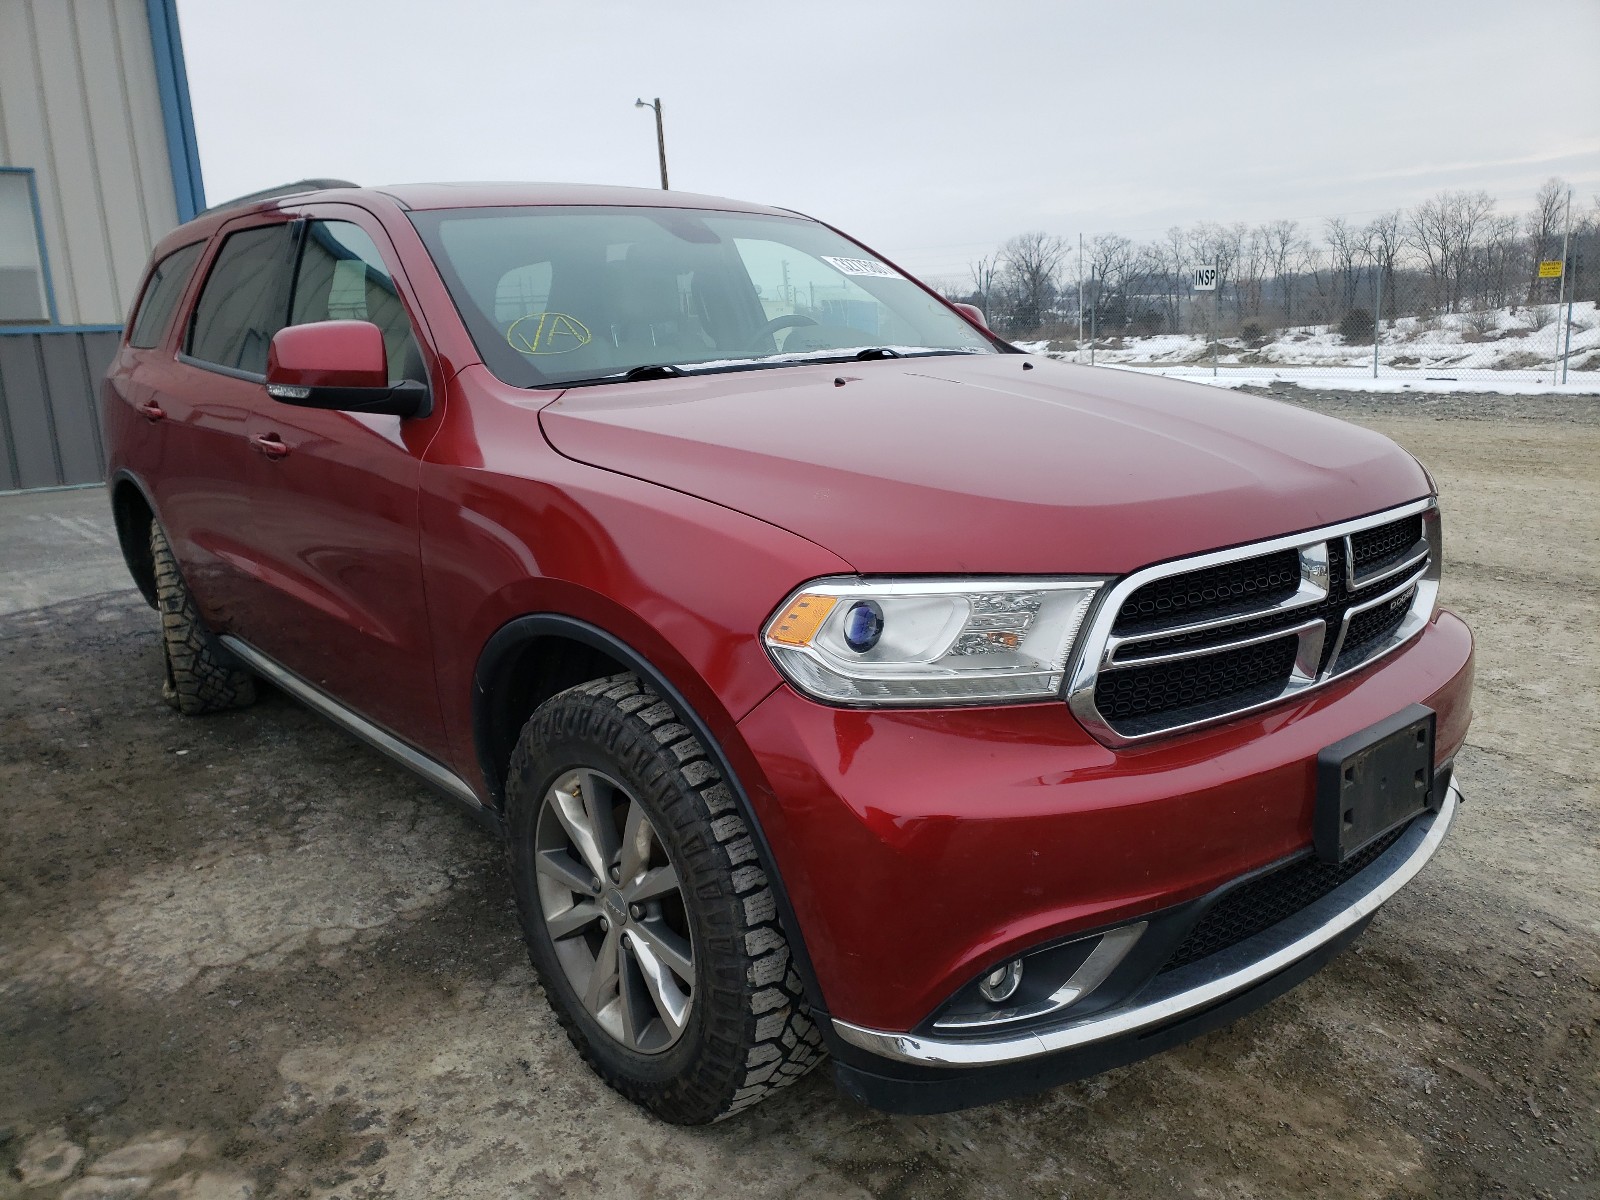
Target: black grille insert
[
  {"x": 1161, "y": 695},
  {"x": 1375, "y": 549},
  {"x": 1262, "y": 903},
  {"x": 1213, "y": 592},
  {"x": 1371, "y": 627},
  {"x": 1137, "y": 697}
]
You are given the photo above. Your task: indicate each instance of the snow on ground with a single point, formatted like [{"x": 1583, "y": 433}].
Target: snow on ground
[
  {"x": 1510, "y": 350},
  {"x": 1579, "y": 383}
]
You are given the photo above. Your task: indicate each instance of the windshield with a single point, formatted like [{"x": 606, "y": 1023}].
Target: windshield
[{"x": 557, "y": 296}]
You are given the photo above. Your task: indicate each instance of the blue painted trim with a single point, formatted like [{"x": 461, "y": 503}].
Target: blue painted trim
[
  {"x": 17, "y": 330},
  {"x": 172, "y": 81},
  {"x": 38, "y": 229}
]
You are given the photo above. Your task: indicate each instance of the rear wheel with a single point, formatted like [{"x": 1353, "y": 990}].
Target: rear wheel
[
  {"x": 645, "y": 912},
  {"x": 201, "y": 676}
]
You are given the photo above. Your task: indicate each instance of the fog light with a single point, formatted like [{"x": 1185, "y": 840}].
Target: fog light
[{"x": 1002, "y": 982}]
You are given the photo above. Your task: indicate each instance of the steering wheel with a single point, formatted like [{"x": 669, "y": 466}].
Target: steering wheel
[{"x": 778, "y": 324}]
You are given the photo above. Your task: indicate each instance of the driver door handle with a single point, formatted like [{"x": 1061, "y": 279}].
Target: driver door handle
[
  {"x": 151, "y": 411},
  {"x": 269, "y": 444}
]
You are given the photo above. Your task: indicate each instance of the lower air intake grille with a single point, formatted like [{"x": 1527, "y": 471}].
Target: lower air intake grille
[
  {"x": 1192, "y": 689},
  {"x": 1262, "y": 903}
]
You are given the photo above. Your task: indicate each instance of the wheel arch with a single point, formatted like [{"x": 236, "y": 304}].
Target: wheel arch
[
  {"x": 133, "y": 514},
  {"x": 527, "y": 660}
]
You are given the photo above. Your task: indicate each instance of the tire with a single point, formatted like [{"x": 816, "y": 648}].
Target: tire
[
  {"x": 612, "y": 754},
  {"x": 201, "y": 676}
]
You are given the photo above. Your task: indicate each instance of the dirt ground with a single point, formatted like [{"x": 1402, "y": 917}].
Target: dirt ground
[{"x": 244, "y": 956}]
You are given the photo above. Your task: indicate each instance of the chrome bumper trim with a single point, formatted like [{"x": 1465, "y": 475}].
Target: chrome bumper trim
[
  {"x": 314, "y": 698},
  {"x": 1192, "y": 988}
]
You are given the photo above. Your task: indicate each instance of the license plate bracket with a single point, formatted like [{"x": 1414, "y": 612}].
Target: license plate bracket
[{"x": 1373, "y": 781}]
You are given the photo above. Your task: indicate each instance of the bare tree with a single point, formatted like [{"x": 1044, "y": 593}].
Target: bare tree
[
  {"x": 1447, "y": 230},
  {"x": 1544, "y": 226},
  {"x": 1169, "y": 269},
  {"x": 1385, "y": 237},
  {"x": 1348, "y": 253},
  {"x": 984, "y": 274},
  {"x": 1031, "y": 262},
  {"x": 1287, "y": 250},
  {"x": 1498, "y": 262},
  {"x": 1252, "y": 271},
  {"x": 1111, "y": 259}
]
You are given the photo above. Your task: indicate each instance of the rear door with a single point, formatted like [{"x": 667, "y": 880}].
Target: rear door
[
  {"x": 334, "y": 495},
  {"x": 204, "y": 394}
]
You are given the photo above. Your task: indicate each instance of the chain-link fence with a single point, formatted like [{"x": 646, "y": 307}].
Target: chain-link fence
[{"x": 1448, "y": 291}]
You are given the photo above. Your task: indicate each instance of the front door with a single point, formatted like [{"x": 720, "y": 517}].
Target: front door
[{"x": 333, "y": 502}]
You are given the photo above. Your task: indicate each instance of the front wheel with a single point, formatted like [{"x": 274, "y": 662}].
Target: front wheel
[{"x": 651, "y": 924}]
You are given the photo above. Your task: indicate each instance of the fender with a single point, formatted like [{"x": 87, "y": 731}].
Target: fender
[
  {"x": 521, "y": 630},
  {"x": 133, "y": 553}
]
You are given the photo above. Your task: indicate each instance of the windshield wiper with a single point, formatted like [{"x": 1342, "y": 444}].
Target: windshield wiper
[
  {"x": 632, "y": 375},
  {"x": 653, "y": 371},
  {"x": 873, "y": 352}
]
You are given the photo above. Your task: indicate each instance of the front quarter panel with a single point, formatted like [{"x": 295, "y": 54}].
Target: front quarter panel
[{"x": 511, "y": 528}]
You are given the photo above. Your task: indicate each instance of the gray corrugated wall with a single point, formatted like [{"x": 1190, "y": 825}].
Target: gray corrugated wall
[
  {"x": 79, "y": 104},
  {"x": 50, "y": 408}
]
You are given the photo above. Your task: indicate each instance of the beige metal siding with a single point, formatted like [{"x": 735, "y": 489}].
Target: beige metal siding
[{"x": 79, "y": 104}]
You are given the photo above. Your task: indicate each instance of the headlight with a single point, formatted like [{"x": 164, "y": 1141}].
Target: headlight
[{"x": 929, "y": 641}]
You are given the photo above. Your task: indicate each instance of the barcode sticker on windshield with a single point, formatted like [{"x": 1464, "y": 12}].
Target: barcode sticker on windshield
[{"x": 862, "y": 266}]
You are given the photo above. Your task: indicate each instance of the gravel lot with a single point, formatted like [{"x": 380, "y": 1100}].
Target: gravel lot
[{"x": 244, "y": 956}]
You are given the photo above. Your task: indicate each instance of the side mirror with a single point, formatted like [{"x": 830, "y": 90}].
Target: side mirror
[
  {"x": 974, "y": 314},
  {"x": 340, "y": 365}
]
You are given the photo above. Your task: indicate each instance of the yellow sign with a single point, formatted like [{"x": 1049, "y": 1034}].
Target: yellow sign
[
  {"x": 547, "y": 333},
  {"x": 1550, "y": 269}
]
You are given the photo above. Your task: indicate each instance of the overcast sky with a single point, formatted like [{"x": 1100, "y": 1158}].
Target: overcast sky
[{"x": 930, "y": 130}]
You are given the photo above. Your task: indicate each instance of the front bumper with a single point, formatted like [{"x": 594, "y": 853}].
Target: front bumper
[
  {"x": 1176, "y": 1006},
  {"x": 920, "y": 849}
]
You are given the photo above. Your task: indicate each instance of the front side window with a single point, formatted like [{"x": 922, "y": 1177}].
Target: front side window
[
  {"x": 243, "y": 302},
  {"x": 342, "y": 277},
  {"x": 23, "y": 297},
  {"x": 555, "y": 296},
  {"x": 161, "y": 295}
]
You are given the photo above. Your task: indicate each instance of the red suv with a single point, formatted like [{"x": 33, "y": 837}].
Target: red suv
[{"x": 839, "y": 678}]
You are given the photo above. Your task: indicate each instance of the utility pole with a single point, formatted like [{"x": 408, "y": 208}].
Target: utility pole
[
  {"x": 1561, "y": 295},
  {"x": 1572, "y": 292},
  {"x": 661, "y": 136}
]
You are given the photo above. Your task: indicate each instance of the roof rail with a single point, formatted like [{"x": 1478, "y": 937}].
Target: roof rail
[{"x": 283, "y": 189}]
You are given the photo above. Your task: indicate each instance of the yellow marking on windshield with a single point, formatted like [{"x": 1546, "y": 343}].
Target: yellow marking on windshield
[{"x": 551, "y": 333}]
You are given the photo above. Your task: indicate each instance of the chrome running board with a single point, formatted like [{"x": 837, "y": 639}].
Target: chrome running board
[
  {"x": 314, "y": 698},
  {"x": 1199, "y": 985}
]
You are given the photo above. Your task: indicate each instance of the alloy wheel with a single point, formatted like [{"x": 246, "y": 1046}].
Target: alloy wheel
[{"x": 613, "y": 906}]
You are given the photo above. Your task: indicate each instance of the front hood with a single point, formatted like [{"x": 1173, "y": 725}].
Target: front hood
[{"x": 972, "y": 464}]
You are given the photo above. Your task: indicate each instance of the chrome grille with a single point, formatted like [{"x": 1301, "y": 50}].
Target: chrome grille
[{"x": 1203, "y": 639}]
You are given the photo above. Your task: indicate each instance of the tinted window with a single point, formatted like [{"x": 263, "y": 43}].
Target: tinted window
[
  {"x": 242, "y": 304},
  {"x": 167, "y": 281},
  {"x": 342, "y": 277}
]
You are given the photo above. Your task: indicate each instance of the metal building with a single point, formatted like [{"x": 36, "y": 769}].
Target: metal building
[{"x": 97, "y": 162}]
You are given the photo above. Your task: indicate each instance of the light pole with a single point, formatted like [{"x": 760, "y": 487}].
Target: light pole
[{"x": 661, "y": 137}]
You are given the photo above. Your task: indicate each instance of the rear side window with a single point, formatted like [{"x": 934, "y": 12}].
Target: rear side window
[
  {"x": 342, "y": 277},
  {"x": 167, "y": 281},
  {"x": 243, "y": 302}
]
